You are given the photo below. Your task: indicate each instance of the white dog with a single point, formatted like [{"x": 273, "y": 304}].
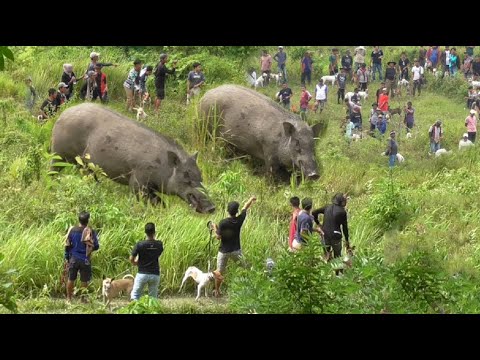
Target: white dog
[
  {"x": 402, "y": 82},
  {"x": 409, "y": 135},
  {"x": 141, "y": 114},
  {"x": 475, "y": 84},
  {"x": 277, "y": 78},
  {"x": 331, "y": 78},
  {"x": 260, "y": 80},
  {"x": 201, "y": 278},
  {"x": 400, "y": 158},
  {"x": 441, "y": 152},
  {"x": 363, "y": 94}
]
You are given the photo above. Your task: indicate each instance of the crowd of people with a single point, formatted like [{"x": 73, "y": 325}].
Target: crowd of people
[{"x": 95, "y": 85}]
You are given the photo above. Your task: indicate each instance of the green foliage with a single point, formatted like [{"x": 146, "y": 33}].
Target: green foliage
[
  {"x": 7, "y": 292},
  {"x": 145, "y": 305},
  {"x": 6, "y": 53}
]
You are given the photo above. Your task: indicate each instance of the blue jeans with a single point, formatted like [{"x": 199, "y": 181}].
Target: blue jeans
[
  {"x": 283, "y": 69},
  {"x": 391, "y": 160},
  {"x": 377, "y": 67},
  {"x": 434, "y": 147},
  {"x": 145, "y": 279},
  {"x": 453, "y": 70}
]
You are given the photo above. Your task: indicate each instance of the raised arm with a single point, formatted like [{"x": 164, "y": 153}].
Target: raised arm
[{"x": 249, "y": 203}]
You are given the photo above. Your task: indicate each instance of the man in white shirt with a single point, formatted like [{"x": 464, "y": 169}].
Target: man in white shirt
[
  {"x": 464, "y": 143},
  {"x": 321, "y": 91},
  {"x": 417, "y": 72}
]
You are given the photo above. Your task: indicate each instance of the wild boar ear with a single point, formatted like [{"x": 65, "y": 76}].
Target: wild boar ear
[
  {"x": 289, "y": 129},
  {"x": 173, "y": 159},
  {"x": 317, "y": 128},
  {"x": 195, "y": 156}
]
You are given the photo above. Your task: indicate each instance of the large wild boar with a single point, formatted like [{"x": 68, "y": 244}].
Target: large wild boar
[
  {"x": 130, "y": 153},
  {"x": 258, "y": 126}
]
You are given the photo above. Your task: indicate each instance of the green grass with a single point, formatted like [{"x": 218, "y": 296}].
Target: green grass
[{"x": 440, "y": 196}]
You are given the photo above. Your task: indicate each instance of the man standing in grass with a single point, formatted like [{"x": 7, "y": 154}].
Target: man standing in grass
[
  {"x": 148, "y": 252},
  {"x": 304, "y": 225},
  {"x": 295, "y": 202},
  {"x": 392, "y": 150},
  {"x": 160, "y": 73},
  {"x": 228, "y": 232},
  {"x": 281, "y": 58},
  {"x": 266, "y": 65},
  {"x": 195, "y": 81},
  {"x": 341, "y": 83},
  {"x": 436, "y": 134},
  {"x": 76, "y": 254},
  {"x": 321, "y": 92},
  {"x": 471, "y": 124},
  {"x": 409, "y": 117}
]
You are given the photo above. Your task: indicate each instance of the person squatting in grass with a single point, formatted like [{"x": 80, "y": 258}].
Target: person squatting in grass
[
  {"x": 148, "y": 251},
  {"x": 334, "y": 217},
  {"x": 228, "y": 232},
  {"x": 77, "y": 246}
]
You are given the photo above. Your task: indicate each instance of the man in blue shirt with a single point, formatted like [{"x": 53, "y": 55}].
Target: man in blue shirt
[
  {"x": 281, "y": 58},
  {"x": 304, "y": 224},
  {"x": 76, "y": 253}
]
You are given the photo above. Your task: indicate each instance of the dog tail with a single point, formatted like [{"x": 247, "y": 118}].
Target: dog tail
[{"x": 129, "y": 276}]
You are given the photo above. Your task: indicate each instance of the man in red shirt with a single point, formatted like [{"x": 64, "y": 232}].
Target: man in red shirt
[
  {"x": 383, "y": 101},
  {"x": 295, "y": 202}
]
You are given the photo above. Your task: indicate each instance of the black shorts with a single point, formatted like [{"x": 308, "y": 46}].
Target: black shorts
[
  {"x": 160, "y": 93},
  {"x": 409, "y": 125},
  {"x": 75, "y": 265},
  {"x": 335, "y": 245}
]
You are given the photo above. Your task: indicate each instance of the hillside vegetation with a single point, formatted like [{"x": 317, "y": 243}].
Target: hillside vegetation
[{"x": 415, "y": 228}]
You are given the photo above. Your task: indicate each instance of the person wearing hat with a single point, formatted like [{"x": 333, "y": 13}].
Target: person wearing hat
[
  {"x": 392, "y": 149},
  {"x": 94, "y": 60},
  {"x": 359, "y": 57},
  {"x": 471, "y": 124},
  {"x": 435, "y": 133},
  {"x": 281, "y": 58},
  {"x": 31, "y": 95},
  {"x": 464, "y": 142},
  {"x": 376, "y": 63},
  {"x": 334, "y": 223},
  {"x": 391, "y": 78},
  {"x": 195, "y": 81},
  {"x": 347, "y": 62},
  {"x": 62, "y": 94},
  {"x": 341, "y": 83},
  {"x": 403, "y": 67},
  {"x": 69, "y": 78},
  {"x": 333, "y": 62}
]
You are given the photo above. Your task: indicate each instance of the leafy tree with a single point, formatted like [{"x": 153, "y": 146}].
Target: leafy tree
[{"x": 7, "y": 53}]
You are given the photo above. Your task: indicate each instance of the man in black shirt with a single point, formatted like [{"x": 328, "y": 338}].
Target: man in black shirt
[
  {"x": 403, "y": 64},
  {"x": 285, "y": 95},
  {"x": 341, "y": 82},
  {"x": 347, "y": 62},
  {"x": 49, "y": 106},
  {"x": 377, "y": 56},
  {"x": 391, "y": 78},
  {"x": 334, "y": 215},
  {"x": 160, "y": 73},
  {"x": 148, "y": 251},
  {"x": 228, "y": 232}
]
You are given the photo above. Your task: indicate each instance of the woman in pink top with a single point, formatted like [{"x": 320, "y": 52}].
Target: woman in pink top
[{"x": 471, "y": 124}]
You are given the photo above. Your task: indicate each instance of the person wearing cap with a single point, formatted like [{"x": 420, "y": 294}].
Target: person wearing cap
[
  {"x": 363, "y": 75},
  {"x": 281, "y": 58},
  {"x": 347, "y": 62},
  {"x": 471, "y": 124},
  {"x": 102, "y": 87},
  {"x": 88, "y": 92},
  {"x": 321, "y": 93},
  {"x": 49, "y": 106},
  {"x": 409, "y": 116},
  {"x": 464, "y": 142},
  {"x": 306, "y": 64},
  {"x": 403, "y": 66},
  {"x": 304, "y": 225},
  {"x": 228, "y": 232},
  {"x": 76, "y": 254},
  {"x": 376, "y": 63},
  {"x": 392, "y": 149},
  {"x": 391, "y": 78},
  {"x": 266, "y": 65},
  {"x": 359, "y": 57},
  {"x": 62, "y": 94},
  {"x": 334, "y": 223},
  {"x": 69, "y": 78},
  {"x": 195, "y": 81},
  {"x": 435, "y": 133},
  {"x": 131, "y": 83},
  {"x": 31, "y": 94},
  {"x": 341, "y": 83},
  {"x": 417, "y": 72},
  {"x": 94, "y": 60},
  {"x": 333, "y": 62},
  {"x": 160, "y": 73}
]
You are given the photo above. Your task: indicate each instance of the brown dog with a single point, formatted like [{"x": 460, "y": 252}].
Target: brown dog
[{"x": 112, "y": 288}]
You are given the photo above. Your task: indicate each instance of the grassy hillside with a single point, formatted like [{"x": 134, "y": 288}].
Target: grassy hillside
[{"x": 424, "y": 206}]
